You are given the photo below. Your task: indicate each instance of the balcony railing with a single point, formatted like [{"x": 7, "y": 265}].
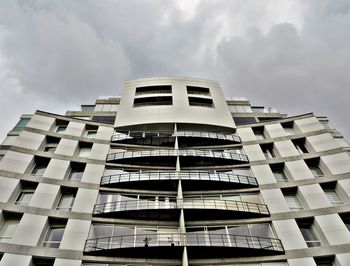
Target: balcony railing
[
  {"x": 191, "y": 176},
  {"x": 186, "y": 203},
  {"x": 182, "y": 153},
  {"x": 192, "y": 239}
]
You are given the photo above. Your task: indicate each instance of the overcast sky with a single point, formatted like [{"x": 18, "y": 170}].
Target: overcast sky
[{"x": 292, "y": 55}]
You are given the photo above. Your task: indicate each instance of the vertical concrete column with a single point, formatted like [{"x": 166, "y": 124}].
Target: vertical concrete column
[
  {"x": 314, "y": 196},
  {"x": 275, "y": 200},
  {"x": 45, "y": 196},
  {"x": 75, "y": 234},
  {"x": 8, "y": 187},
  {"x": 184, "y": 257},
  {"x": 290, "y": 235},
  {"x": 333, "y": 229}
]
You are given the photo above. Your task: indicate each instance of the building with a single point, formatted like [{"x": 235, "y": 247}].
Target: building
[{"x": 172, "y": 173}]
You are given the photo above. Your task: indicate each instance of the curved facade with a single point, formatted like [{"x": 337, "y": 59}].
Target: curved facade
[{"x": 172, "y": 173}]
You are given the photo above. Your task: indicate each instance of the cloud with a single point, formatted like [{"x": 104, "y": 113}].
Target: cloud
[{"x": 293, "y": 55}]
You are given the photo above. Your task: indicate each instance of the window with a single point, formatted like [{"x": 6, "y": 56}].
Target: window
[
  {"x": 26, "y": 193},
  {"x": 324, "y": 261},
  {"x": 91, "y": 131},
  {"x": 292, "y": 200},
  {"x": 300, "y": 145},
  {"x": 155, "y": 100},
  {"x": 259, "y": 132},
  {"x": 40, "y": 166},
  {"x": 21, "y": 124},
  {"x": 202, "y": 102},
  {"x": 84, "y": 149},
  {"x": 43, "y": 261},
  {"x": 313, "y": 165},
  {"x": 8, "y": 228},
  {"x": 51, "y": 144},
  {"x": 76, "y": 172},
  {"x": 309, "y": 233},
  {"x": 103, "y": 119},
  {"x": 66, "y": 201},
  {"x": 54, "y": 235},
  {"x": 267, "y": 149},
  {"x": 198, "y": 90},
  {"x": 278, "y": 172},
  {"x": 346, "y": 219},
  {"x": 240, "y": 108},
  {"x": 153, "y": 89},
  {"x": 61, "y": 129},
  {"x": 331, "y": 193},
  {"x": 61, "y": 126},
  {"x": 288, "y": 127}
]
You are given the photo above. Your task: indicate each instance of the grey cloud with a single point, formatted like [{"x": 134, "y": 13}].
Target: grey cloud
[{"x": 55, "y": 54}]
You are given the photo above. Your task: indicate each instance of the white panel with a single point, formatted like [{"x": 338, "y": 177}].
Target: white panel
[
  {"x": 104, "y": 133},
  {"x": 65, "y": 262},
  {"x": 254, "y": 152},
  {"x": 75, "y": 129},
  {"x": 274, "y": 199},
  {"x": 333, "y": 229},
  {"x": 44, "y": 196},
  {"x": 7, "y": 187},
  {"x": 298, "y": 170},
  {"x": 67, "y": 147},
  {"x": 75, "y": 234},
  {"x": 337, "y": 163},
  {"x": 57, "y": 169},
  {"x": 314, "y": 196},
  {"x": 29, "y": 230},
  {"x": 343, "y": 187},
  {"x": 85, "y": 200},
  {"x": 93, "y": 173},
  {"x": 285, "y": 148},
  {"x": 15, "y": 162},
  {"x": 275, "y": 130},
  {"x": 323, "y": 142},
  {"x": 308, "y": 124},
  {"x": 302, "y": 262},
  {"x": 99, "y": 151},
  {"x": 29, "y": 140},
  {"x": 15, "y": 260},
  {"x": 246, "y": 134},
  {"x": 9, "y": 140},
  {"x": 342, "y": 259},
  {"x": 263, "y": 174},
  {"x": 41, "y": 122},
  {"x": 289, "y": 233}
]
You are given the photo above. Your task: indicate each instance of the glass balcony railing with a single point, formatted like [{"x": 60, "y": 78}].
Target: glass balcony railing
[
  {"x": 249, "y": 245},
  {"x": 246, "y": 181},
  {"x": 186, "y": 203}
]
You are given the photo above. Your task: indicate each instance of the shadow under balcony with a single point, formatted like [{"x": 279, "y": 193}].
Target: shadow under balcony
[
  {"x": 171, "y": 246},
  {"x": 188, "y": 158},
  {"x": 194, "y": 180},
  {"x": 194, "y": 209}
]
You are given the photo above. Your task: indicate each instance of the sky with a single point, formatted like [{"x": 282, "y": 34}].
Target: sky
[{"x": 291, "y": 55}]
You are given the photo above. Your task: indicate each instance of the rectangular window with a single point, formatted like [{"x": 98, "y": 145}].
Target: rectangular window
[
  {"x": 346, "y": 219},
  {"x": 313, "y": 165},
  {"x": 309, "y": 233},
  {"x": 288, "y": 127},
  {"x": 84, "y": 149},
  {"x": 278, "y": 172},
  {"x": 54, "y": 235},
  {"x": 293, "y": 202},
  {"x": 153, "y": 101},
  {"x": 91, "y": 133},
  {"x": 76, "y": 172},
  {"x": 324, "y": 261},
  {"x": 66, "y": 201},
  {"x": 333, "y": 197},
  {"x": 8, "y": 229},
  {"x": 21, "y": 124},
  {"x": 40, "y": 166},
  {"x": 24, "y": 197},
  {"x": 259, "y": 132},
  {"x": 198, "y": 90},
  {"x": 202, "y": 102},
  {"x": 267, "y": 149},
  {"x": 300, "y": 145},
  {"x": 51, "y": 144},
  {"x": 153, "y": 89},
  {"x": 61, "y": 129}
]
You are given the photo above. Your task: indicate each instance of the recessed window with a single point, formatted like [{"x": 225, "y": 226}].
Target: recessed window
[
  {"x": 244, "y": 120},
  {"x": 40, "y": 166},
  {"x": 300, "y": 145},
  {"x": 332, "y": 194},
  {"x": 292, "y": 199},
  {"x": 202, "y": 102},
  {"x": 103, "y": 119},
  {"x": 259, "y": 132},
  {"x": 324, "y": 261},
  {"x": 76, "y": 172},
  {"x": 288, "y": 127},
  {"x": 51, "y": 144},
  {"x": 346, "y": 219},
  {"x": 61, "y": 126},
  {"x": 267, "y": 149},
  {"x": 153, "y": 89},
  {"x": 198, "y": 90},
  {"x": 91, "y": 131},
  {"x": 54, "y": 234},
  {"x": 84, "y": 149},
  {"x": 27, "y": 191},
  {"x": 309, "y": 233},
  {"x": 240, "y": 108},
  {"x": 67, "y": 200},
  {"x": 278, "y": 172},
  {"x": 21, "y": 124},
  {"x": 314, "y": 167},
  {"x": 8, "y": 228},
  {"x": 153, "y": 101},
  {"x": 43, "y": 261}
]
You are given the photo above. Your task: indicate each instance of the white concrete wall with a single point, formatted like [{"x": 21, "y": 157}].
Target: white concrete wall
[
  {"x": 254, "y": 152},
  {"x": 66, "y": 262},
  {"x": 41, "y": 122},
  {"x": 16, "y": 162},
  {"x": 306, "y": 125},
  {"x": 99, "y": 151},
  {"x": 263, "y": 174},
  {"x": 29, "y": 140},
  {"x": 285, "y": 148},
  {"x": 30, "y": 230},
  {"x": 298, "y": 170},
  {"x": 342, "y": 259},
  {"x": 337, "y": 163},
  {"x": 275, "y": 201},
  {"x": 93, "y": 173},
  {"x": 85, "y": 200},
  {"x": 57, "y": 169},
  {"x": 246, "y": 134},
  {"x": 333, "y": 229},
  {"x": 10, "y": 259},
  {"x": 104, "y": 133},
  {"x": 45, "y": 196},
  {"x": 7, "y": 187},
  {"x": 323, "y": 142},
  {"x": 75, "y": 128},
  {"x": 289, "y": 233},
  {"x": 75, "y": 234},
  {"x": 67, "y": 147},
  {"x": 314, "y": 196},
  {"x": 275, "y": 130},
  {"x": 302, "y": 262}
]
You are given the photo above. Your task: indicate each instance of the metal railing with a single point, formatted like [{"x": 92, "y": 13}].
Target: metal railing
[
  {"x": 178, "y": 239},
  {"x": 196, "y": 176},
  {"x": 166, "y": 153},
  {"x": 201, "y": 134},
  {"x": 185, "y": 203}
]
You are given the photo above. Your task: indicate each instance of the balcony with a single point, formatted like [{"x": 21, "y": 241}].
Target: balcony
[
  {"x": 195, "y": 209},
  {"x": 199, "y": 245},
  {"x": 169, "y": 180},
  {"x": 188, "y": 158},
  {"x": 185, "y": 138}
]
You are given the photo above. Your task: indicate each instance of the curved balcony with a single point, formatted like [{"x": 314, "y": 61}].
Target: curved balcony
[
  {"x": 185, "y": 138},
  {"x": 195, "y": 209},
  {"x": 199, "y": 245},
  {"x": 169, "y": 180},
  {"x": 188, "y": 158}
]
